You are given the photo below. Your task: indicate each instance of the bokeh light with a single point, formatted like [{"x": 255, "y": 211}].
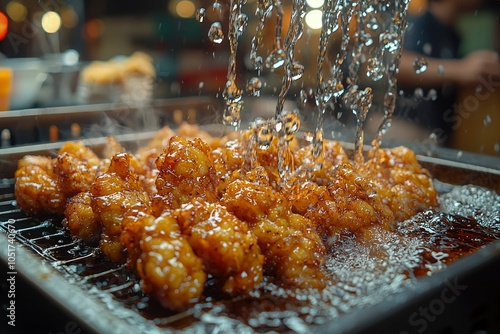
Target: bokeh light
[
  {"x": 69, "y": 18},
  {"x": 16, "y": 11},
  {"x": 314, "y": 19},
  {"x": 94, "y": 28},
  {"x": 315, "y": 3},
  {"x": 51, "y": 22},
  {"x": 4, "y": 26},
  {"x": 185, "y": 8}
]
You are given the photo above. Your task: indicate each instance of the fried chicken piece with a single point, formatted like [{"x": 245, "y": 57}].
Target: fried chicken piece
[
  {"x": 349, "y": 204},
  {"x": 46, "y": 163},
  {"x": 186, "y": 171},
  {"x": 112, "y": 147},
  {"x": 228, "y": 248},
  {"x": 112, "y": 195},
  {"x": 37, "y": 190},
  {"x": 168, "y": 267},
  {"x": 227, "y": 159},
  {"x": 294, "y": 253},
  {"x": 401, "y": 182},
  {"x": 76, "y": 167},
  {"x": 80, "y": 218}
]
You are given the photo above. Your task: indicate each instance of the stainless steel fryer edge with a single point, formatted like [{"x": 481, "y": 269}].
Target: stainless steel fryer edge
[
  {"x": 387, "y": 316},
  {"x": 88, "y": 309}
]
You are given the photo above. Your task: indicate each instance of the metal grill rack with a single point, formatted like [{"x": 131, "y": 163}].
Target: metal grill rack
[{"x": 76, "y": 261}]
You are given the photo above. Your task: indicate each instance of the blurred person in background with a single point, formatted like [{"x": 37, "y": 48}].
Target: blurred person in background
[{"x": 431, "y": 72}]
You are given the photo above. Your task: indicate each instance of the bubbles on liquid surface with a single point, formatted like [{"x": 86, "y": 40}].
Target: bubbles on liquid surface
[
  {"x": 420, "y": 65},
  {"x": 200, "y": 14},
  {"x": 254, "y": 86},
  {"x": 275, "y": 59},
  {"x": 215, "y": 33}
]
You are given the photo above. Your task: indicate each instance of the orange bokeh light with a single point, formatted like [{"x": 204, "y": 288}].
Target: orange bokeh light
[{"x": 4, "y": 26}]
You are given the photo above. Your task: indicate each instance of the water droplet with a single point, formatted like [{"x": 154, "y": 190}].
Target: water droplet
[
  {"x": 241, "y": 23},
  {"x": 390, "y": 41},
  {"x": 372, "y": 23},
  {"x": 496, "y": 147},
  {"x": 440, "y": 70},
  {"x": 201, "y": 84},
  {"x": 297, "y": 71},
  {"x": 366, "y": 38},
  {"x": 200, "y": 14},
  {"x": 291, "y": 124},
  {"x": 374, "y": 69},
  {"x": 432, "y": 95},
  {"x": 308, "y": 137},
  {"x": 427, "y": 48},
  {"x": 487, "y": 120},
  {"x": 232, "y": 113},
  {"x": 275, "y": 59},
  {"x": 254, "y": 86},
  {"x": 231, "y": 92},
  {"x": 303, "y": 97},
  {"x": 215, "y": 33},
  {"x": 460, "y": 154},
  {"x": 264, "y": 136},
  {"x": 420, "y": 65},
  {"x": 218, "y": 8},
  {"x": 419, "y": 93}
]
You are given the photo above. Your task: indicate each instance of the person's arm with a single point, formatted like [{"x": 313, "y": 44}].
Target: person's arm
[{"x": 465, "y": 71}]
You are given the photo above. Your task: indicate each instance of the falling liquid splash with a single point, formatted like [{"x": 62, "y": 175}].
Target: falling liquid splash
[
  {"x": 380, "y": 57},
  {"x": 232, "y": 94},
  {"x": 394, "y": 46}
]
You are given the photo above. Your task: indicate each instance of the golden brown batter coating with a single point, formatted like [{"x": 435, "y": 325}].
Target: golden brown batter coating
[
  {"x": 37, "y": 190},
  {"x": 186, "y": 171},
  {"x": 401, "y": 182},
  {"x": 80, "y": 218},
  {"x": 294, "y": 253},
  {"x": 228, "y": 248},
  {"x": 113, "y": 194},
  {"x": 168, "y": 267}
]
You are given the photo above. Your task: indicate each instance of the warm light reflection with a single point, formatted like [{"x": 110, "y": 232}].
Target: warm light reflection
[
  {"x": 69, "y": 18},
  {"x": 4, "y": 26},
  {"x": 313, "y": 19},
  {"x": 51, "y": 22},
  {"x": 315, "y": 3},
  {"x": 16, "y": 11},
  {"x": 185, "y": 8}
]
